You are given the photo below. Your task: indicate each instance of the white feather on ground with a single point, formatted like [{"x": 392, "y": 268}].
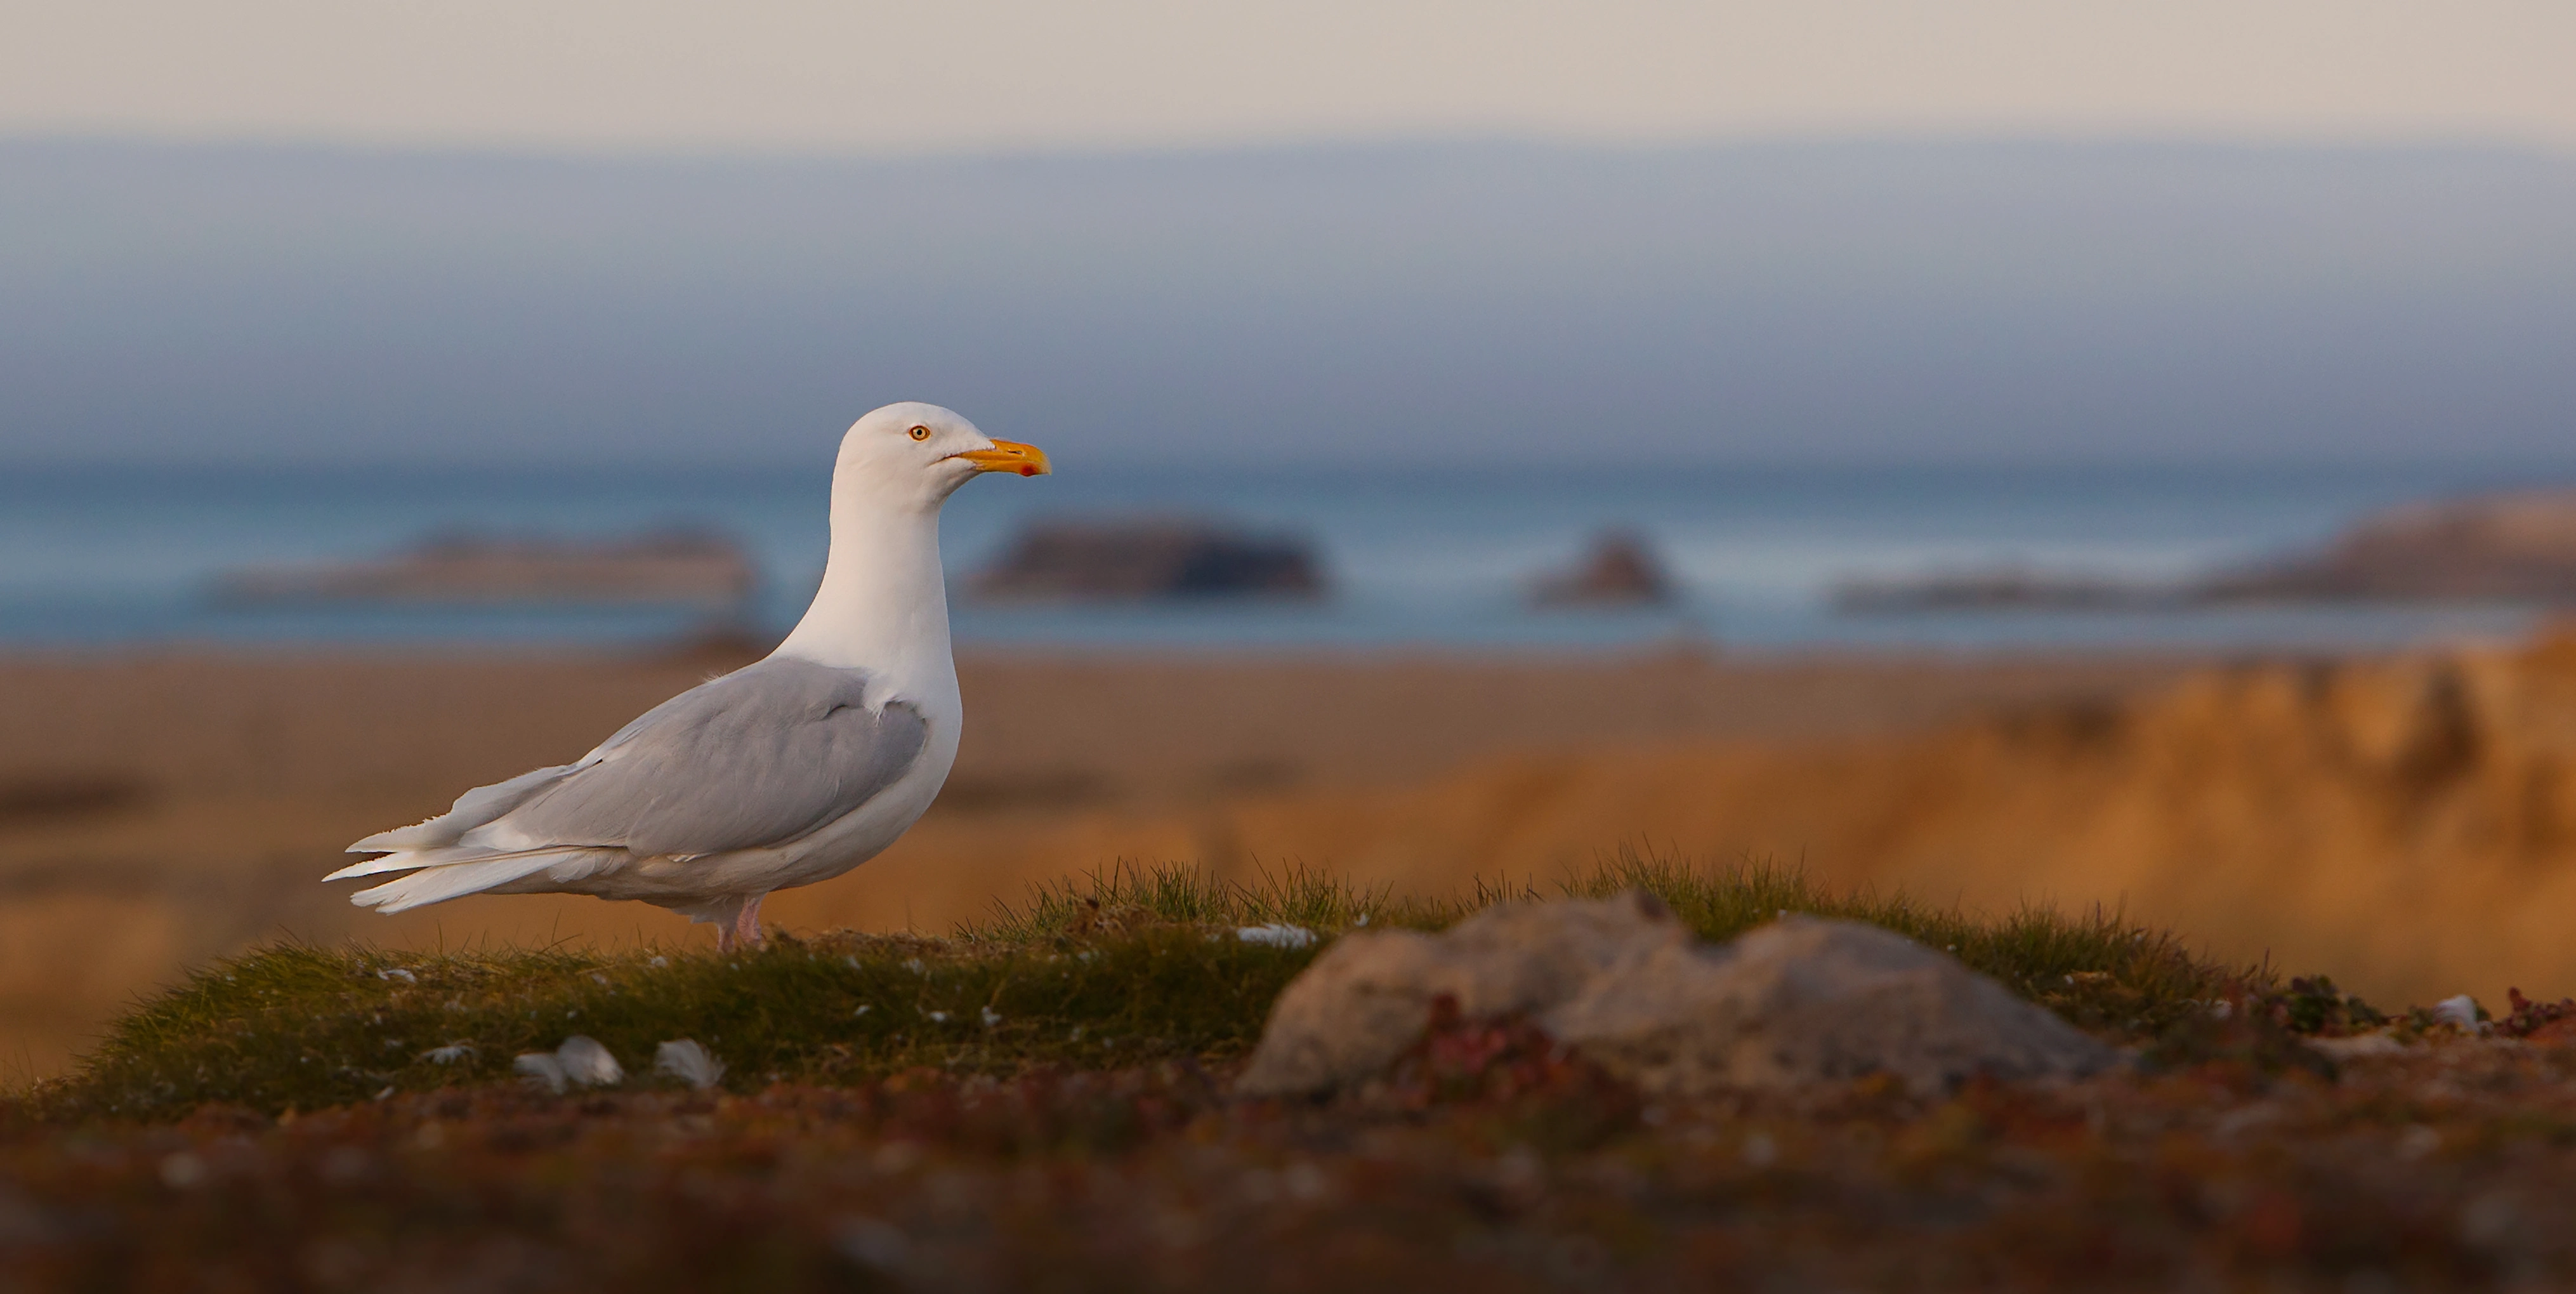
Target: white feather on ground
[
  {"x": 580, "y": 1061},
  {"x": 687, "y": 1061},
  {"x": 1277, "y": 934}
]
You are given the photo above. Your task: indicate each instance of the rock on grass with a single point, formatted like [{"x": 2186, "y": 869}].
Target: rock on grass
[{"x": 1802, "y": 1000}]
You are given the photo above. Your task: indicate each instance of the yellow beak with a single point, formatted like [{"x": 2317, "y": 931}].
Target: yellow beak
[{"x": 1009, "y": 456}]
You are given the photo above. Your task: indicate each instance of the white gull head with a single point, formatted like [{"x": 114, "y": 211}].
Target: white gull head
[
  {"x": 910, "y": 457},
  {"x": 883, "y": 604}
]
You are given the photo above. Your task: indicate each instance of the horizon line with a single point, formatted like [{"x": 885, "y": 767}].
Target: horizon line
[{"x": 2501, "y": 144}]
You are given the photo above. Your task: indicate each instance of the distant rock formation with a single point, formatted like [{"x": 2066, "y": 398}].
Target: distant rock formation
[
  {"x": 1144, "y": 560},
  {"x": 2517, "y": 547},
  {"x": 1795, "y": 1003},
  {"x": 1619, "y": 570},
  {"x": 2004, "y": 589},
  {"x": 674, "y": 567}
]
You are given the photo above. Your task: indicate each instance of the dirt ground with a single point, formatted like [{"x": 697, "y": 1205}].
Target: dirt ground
[{"x": 2440, "y": 1166}]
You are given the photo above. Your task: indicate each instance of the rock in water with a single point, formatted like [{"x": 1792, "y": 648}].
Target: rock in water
[
  {"x": 1148, "y": 559},
  {"x": 673, "y": 567},
  {"x": 1621, "y": 570},
  {"x": 2513, "y": 547},
  {"x": 1801, "y": 1000}
]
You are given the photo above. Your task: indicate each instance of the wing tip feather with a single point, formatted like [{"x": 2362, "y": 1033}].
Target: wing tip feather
[{"x": 366, "y": 866}]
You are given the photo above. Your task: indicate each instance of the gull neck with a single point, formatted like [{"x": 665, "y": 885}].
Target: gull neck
[{"x": 883, "y": 604}]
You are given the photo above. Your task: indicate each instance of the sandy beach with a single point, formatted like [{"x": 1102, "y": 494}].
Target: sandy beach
[
  {"x": 2401, "y": 823},
  {"x": 160, "y": 808}
]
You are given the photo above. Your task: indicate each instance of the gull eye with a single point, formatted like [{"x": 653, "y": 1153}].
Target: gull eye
[{"x": 921, "y": 433}]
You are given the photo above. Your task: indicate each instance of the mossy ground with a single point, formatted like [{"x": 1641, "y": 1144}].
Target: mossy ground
[
  {"x": 1134, "y": 966},
  {"x": 1041, "y": 1102}
]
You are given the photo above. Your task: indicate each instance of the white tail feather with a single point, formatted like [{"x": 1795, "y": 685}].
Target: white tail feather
[
  {"x": 439, "y": 882},
  {"x": 409, "y": 860},
  {"x": 398, "y": 838}
]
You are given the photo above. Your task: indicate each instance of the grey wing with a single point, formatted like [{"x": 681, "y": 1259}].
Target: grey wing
[
  {"x": 472, "y": 809},
  {"x": 758, "y": 757}
]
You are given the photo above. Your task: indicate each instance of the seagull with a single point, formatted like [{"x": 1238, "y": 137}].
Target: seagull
[{"x": 791, "y": 770}]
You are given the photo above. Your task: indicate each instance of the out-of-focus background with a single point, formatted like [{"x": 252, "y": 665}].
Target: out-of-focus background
[{"x": 2007, "y": 452}]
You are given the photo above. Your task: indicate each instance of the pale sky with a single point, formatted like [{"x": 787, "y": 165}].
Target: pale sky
[{"x": 977, "y": 75}]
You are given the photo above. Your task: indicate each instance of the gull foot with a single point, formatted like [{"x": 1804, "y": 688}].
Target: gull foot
[{"x": 744, "y": 931}]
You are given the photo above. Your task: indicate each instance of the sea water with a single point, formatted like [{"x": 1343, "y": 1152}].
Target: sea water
[{"x": 95, "y": 557}]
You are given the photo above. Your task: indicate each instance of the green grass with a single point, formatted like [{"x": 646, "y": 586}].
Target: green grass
[{"x": 1137, "y": 965}]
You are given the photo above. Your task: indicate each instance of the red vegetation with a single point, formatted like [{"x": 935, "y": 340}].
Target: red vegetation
[
  {"x": 2538, "y": 1021},
  {"x": 1494, "y": 1062},
  {"x": 1494, "y": 1159}
]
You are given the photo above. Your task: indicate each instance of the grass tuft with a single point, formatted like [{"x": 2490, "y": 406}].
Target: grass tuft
[
  {"x": 1135, "y": 965},
  {"x": 1129, "y": 895},
  {"x": 2098, "y": 969}
]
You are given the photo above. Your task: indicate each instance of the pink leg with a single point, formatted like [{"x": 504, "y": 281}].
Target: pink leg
[{"x": 746, "y": 924}]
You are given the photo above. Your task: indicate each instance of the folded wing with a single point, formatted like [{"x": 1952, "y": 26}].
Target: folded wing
[{"x": 757, "y": 758}]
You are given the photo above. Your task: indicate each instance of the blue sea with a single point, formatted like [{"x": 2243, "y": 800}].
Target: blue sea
[{"x": 96, "y": 557}]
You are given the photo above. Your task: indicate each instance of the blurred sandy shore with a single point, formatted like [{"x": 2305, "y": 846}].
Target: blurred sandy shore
[
  {"x": 2406, "y": 824},
  {"x": 162, "y": 808}
]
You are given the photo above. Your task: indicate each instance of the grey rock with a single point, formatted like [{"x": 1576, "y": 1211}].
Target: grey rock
[
  {"x": 1799, "y": 1001},
  {"x": 1620, "y": 570},
  {"x": 1804, "y": 1000},
  {"x": 542, "y": 1069},
  {"x": 2512, "y": 547},
  {"x": 1368, "y": 996},
  {"x": 1146, "y": 558},
  {"x": 674, "y": 567}
]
